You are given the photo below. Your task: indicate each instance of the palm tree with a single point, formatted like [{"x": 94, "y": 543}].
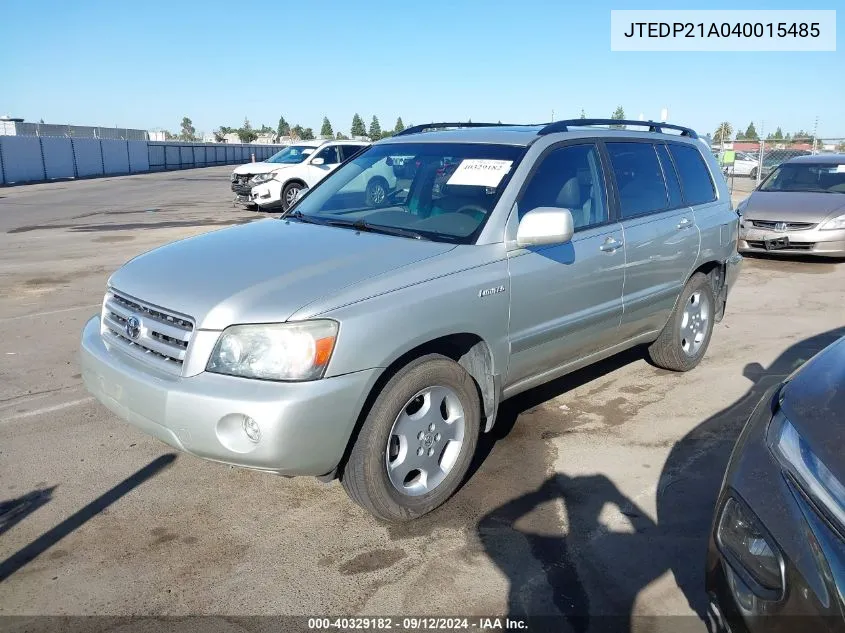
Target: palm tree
[{"x": 723, "y": 133}]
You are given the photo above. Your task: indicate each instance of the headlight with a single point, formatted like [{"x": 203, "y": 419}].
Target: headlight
[
  {"x": 795, "y": 455},
  {"x": 275, "y": 351},
  {"x": 259, "y": 178},
  {"x": 747, "y": 546},
  {"x": 833, "y": 223}
]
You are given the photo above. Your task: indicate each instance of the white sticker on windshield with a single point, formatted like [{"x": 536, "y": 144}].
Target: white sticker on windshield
[
  {"x": 480, "y": 172},
  {"x": 840, "y": 169}
]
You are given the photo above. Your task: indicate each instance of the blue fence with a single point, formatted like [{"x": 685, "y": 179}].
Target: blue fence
[{"x": 37, "y": 159}]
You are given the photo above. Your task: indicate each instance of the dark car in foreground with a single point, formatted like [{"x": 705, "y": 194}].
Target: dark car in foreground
[
  {"x": 776, "y": 557},
  {"x": 798, "y": 210}
]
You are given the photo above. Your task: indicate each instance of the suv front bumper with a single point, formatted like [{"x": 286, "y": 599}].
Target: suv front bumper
[{"x": 305, "y": 427}]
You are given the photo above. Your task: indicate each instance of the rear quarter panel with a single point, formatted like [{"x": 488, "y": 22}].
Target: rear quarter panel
[{"x": 717, "y": 222}]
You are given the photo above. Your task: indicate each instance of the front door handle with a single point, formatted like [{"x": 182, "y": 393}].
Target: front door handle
[
  {"x": 684, "y": 223},
  {"x": 610, "y": 245}
]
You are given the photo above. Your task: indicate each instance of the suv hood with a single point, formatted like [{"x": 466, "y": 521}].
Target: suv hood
[
  {"x": 264, "y": 271},
  {"x": 793, "y": 206},
  {"x": 258, "y": 168}
]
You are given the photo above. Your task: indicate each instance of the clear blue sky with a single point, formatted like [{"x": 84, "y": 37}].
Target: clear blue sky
[{"x": 147, "y": 64}]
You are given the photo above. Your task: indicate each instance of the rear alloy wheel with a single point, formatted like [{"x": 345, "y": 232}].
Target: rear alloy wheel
[
  {"x": 376, "y": 192},
  {"x": 417, "y": 442},
  {"x": 685, "y": 337},
  {"x": 289, "y": 194}
]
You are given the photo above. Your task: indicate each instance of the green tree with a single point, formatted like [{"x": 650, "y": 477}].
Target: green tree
[
  {"x": 777, "y": 136},
  {"x": 740, "y": 135},
  {"x": 723, "y": 133},
  {"x": 358, "y": 128},
  {"x": 221, "y": 132},
  {"x": 307, "y": 134},
  {"x": 618, "y": 114},
  {"x": 189, "y": 132},
  {"x": 399, "y": 127},
  {"x": 266, "y": 129},
  {"x": 751, "y": 132},
  {"x": 341, "y": 137},
  {"x": 375, "y": 129},
  {"x": 297, "y": 131},
  {"x": 246, "y": 134},
  {"x": 283, "y": 128},
  {"x": 326, "y": 130},
  {"x": 584, "y": 115},
  {"x": 169, "y": 136}
]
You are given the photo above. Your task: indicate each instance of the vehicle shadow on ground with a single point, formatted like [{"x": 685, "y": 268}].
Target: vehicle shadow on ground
[
  {"x": 37, "y": 547},
  {"x": 16, "y": 510},
  {"x": 586, "y": 577}
]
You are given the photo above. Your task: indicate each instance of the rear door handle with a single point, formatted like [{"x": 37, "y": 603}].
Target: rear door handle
[
  {"x": 610, "y": 245},
  {"x": 684, "y": 223}
]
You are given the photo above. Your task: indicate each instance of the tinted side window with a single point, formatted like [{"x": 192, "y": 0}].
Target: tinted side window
[
  {"x": 569, "y": 178},
  {"x": 671, "y": 177},
  {"x": 695, "y": 177},
  {"x": 350, "y": 150},
  {"x": 329, "y": 155},
  {"x": 638, "y": 178}
]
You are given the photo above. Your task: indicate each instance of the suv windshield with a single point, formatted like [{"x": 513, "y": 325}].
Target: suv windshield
[
  {"x": 436, "y": 191},
  {"x": 292, "y": 154},
  {"x": 821, "y": 177}
]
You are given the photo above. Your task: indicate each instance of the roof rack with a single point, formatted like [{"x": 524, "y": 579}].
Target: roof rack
[
  {"x": 414, "y": 129},
  {"x": 653, "y": 126}
]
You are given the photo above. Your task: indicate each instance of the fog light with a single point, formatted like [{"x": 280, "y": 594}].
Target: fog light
[
  {"x": 251, "y": 428},
  {"x": 742, "y": 540}
]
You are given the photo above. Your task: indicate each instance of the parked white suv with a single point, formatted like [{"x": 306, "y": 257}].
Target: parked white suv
[{"x": 276, "y": 183}]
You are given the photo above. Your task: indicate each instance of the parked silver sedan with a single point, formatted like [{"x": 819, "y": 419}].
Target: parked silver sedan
[{"x": 798, "y": 210}]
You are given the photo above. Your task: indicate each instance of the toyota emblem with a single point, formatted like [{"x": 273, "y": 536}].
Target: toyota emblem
[{"x": 133, "y": 327}]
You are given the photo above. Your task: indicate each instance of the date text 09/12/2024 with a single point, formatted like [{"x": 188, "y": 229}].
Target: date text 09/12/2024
[{"x": 724, "y": 29}]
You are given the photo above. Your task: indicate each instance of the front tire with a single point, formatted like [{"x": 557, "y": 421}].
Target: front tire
[
  {"x": 289, "y": 194},
  {"x": 685, "y": 337},
  {"x": 417, "y": 442}
]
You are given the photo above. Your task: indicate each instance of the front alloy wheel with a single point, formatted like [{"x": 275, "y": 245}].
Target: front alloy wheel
[
  {"x": 417, "y": 441},
  {"x": 425, "y": 441}
]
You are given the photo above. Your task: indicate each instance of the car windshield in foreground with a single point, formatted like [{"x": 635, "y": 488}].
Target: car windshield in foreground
[
  {"x": 807, "y": 177},
  {"x": 292, "y": 154},
  {"x": 435, "y": 191}
]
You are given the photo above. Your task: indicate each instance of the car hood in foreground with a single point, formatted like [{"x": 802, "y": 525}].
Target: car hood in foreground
[
  {"x": 258, "y": 168},
  {"x": 264, "y": 271},
  {"x": 793, "y": 206},
  {"x": 814, "y": 401}
]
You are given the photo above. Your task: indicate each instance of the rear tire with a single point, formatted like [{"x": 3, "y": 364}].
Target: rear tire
[
  {"x": 376, "y": 194},
  {"x": 685, "y": 337},
  {"x": 428, "y": 414}
]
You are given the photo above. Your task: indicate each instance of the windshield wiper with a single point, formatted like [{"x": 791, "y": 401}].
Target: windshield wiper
[
  {"x": 299, "y": 215},
  {"x": 363, "y": 225}
]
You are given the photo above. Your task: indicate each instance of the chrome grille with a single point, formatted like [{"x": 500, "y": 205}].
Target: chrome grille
[
  {"x": 162, "y": 335},
  {"x": 774, "y": 225}
]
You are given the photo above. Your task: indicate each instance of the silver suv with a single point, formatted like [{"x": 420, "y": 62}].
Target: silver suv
[{"x": 374, "y": 341}]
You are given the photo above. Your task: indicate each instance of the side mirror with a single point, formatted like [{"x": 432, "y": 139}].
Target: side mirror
[
  {"x": 545, "y": 225},
  {"x": 318, "y": 161}
]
